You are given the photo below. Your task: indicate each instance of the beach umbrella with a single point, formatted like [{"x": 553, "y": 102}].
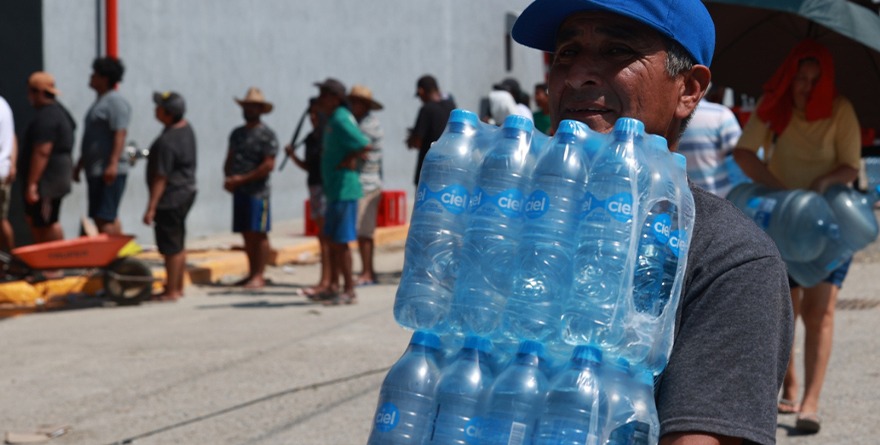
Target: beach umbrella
[{"x": 754, "y": 36}]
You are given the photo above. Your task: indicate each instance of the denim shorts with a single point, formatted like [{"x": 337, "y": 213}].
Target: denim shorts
[
  {"x": 340, "y": 221},
  {"x": 104, "y": 198}
]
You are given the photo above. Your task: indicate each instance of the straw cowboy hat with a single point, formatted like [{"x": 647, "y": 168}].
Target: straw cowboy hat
[
  {"x": 363, "y": 93},
  {"x": 255, "y": 96}
]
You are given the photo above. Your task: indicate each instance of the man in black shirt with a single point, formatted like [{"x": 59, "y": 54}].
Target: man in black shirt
[
  {"x": 44, "y": 160},
  {"x": 171, "y": 179},
  {"x": 431, "y": 120}
]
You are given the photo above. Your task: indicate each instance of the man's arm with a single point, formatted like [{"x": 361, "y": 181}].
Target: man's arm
[
  {"x": 262, "y": 171},
  {"x": 843, "y": 174},
  {"x": 39, "y": 159},
  {"x": 157, "y": 188},
  {"x": 698, "y": 439},
  {"x": 13, "y": 160},
  {"x": 110, "y": 171}
]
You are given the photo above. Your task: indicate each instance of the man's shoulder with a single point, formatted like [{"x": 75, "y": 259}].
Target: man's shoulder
[{"x": 720, "y": 226}]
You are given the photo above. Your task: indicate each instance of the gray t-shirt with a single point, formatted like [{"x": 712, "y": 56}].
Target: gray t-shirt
[
  {"x": 111, "y": 112},
  {"x": 733, "y": 332},
  {"x": 371, "y": 168},
  {"x": 248, "y": 147},
  {"x": 173, "y": 155}
]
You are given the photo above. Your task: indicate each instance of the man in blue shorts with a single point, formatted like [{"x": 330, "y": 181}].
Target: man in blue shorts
[
  {"x": 106, "y": 125},
  {"x": 249, "y": 161},
  {"x": 344, "y": 144}
]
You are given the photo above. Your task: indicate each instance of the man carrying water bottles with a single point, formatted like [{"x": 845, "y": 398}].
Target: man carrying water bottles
[{"x": 649, "y": 60}]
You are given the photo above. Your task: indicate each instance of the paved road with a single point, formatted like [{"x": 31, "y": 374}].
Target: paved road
[{"x": 226, "y": 367}]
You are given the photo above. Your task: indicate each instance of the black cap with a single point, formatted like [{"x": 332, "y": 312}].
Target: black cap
[
  {"x": 427, "y": 83},
  {"x": 333, "y": 86},
  {"x": 172, "y": 102}
]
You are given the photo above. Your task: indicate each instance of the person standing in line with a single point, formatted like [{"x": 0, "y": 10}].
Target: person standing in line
[
  {"x": 431, "y": 120},
  {"x": 541, "y": 115},
  {"x": 520, "y": 99},
  {"x": 46, "y": 161},
  {"x": 811, "y": 135},
  {"x": 171, "y": 180},
  {"x": 649, "y": 60},
  {"x": 103, "y": 141},
  {"x": 8, "y": 154},
  {"x": 311, "y": 163},
  {"x": 708, "y": 143},
  {"x": 370, "y": 171},
  {"x": 344, "y": 146},
  {"x": 249, "y": 162}
]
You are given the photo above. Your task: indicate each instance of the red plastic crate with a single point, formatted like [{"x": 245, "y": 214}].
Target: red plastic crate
[
  {"x": 392, "y": 212},
  {"x": 311, "y": 227},
  {"x": 392, "y": 209}
]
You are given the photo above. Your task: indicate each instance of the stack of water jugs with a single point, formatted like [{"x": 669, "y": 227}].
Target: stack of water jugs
[
  {"x": 814, "y": 233},
  {"x": 541, "y": 278}
]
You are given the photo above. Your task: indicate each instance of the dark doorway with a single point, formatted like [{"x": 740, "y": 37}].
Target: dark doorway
[{"x": 21, "y": 50}]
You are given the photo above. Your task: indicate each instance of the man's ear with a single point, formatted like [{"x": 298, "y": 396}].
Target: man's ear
[{"x": 696, "y": 83}]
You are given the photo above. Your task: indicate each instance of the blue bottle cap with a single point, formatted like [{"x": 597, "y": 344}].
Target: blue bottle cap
[
  {"x": 628, "y": 126},
  {"x": 680, "y": 160},
  {"x": 478, "y": 343},
  {"x": 518, "y": 122},
  {"x": 570, "y": 130},
  {"x": 587, "y": 352},
  {"x": 426, "y": 339},
  {"x": 463, "y": 117},
  {"x": 531, "y": 347}
]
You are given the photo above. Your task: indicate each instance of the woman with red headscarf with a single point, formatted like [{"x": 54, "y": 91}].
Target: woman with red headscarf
[{"x": 810, "y": 137}]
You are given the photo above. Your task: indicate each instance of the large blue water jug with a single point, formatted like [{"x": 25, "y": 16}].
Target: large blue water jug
[
  {"x": 491, "y": 238},
  {"x": 404, "y": 413},
  {"x": 543, "y": 273},
  {"x": 800, "y": 222}
]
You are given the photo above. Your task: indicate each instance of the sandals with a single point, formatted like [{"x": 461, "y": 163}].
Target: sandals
[
  {"x": 786, "y": 406},
  {"x": 341, "y": 299},
  {"x": 808, "y": 423}
]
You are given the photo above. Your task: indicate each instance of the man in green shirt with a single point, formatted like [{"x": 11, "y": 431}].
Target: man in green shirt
[{"x": 343, "y": 144}]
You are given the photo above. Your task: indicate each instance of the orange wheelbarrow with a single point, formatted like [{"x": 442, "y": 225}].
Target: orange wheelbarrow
[{"x": 127, "y": 280}]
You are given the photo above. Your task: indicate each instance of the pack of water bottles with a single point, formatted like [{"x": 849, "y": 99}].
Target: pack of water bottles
[
  {"x": 541, "y": 277},
  {"x": 814, "y": 233}
]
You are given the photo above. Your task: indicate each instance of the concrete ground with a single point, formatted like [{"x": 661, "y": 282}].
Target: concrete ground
[{"x": 223, "y": 366}]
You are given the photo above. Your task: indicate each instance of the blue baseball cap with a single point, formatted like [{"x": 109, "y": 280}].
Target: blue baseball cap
[{"x": 684, "y": 21}]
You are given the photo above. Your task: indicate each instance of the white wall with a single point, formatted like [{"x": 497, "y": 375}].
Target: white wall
[{"x": 213, "y": 50}]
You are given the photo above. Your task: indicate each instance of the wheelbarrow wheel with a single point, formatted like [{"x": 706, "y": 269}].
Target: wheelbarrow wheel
[{"x": 128, "y": 281}]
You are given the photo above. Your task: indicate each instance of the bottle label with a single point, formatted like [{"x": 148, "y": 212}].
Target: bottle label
[
  {"x": 537, "y": 204},
  {"x": 472, "y": 431},
  {"x": 619, "y": 206},
  {"x": 676, "y": 242},
  {"x": 509, "y": 202},
  {"x": 453, "y": 199},
  {"x": 761, "y": 210},
  {"x": 387, "y": 417},
  {"x": 661, "y": 227}
]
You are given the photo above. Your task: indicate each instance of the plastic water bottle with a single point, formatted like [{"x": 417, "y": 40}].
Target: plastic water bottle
[
  {"x": 437, "y": 226},
  {"x": 602, "y": 262},
  {"x": 575, "y": 407},
  {"x": 632, "y": 412},
  {"x": 490, "y": 241},
  {"x": 800, "y": 222},
  {"x": 461, "y": 394},
  {"x": 544, "y": 272},
  {"x": 515, "y": 399},
  {"x": 404, "y": 412}
]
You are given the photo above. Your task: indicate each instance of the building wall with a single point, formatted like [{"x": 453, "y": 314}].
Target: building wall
[{"x": 212, "y": 51}]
